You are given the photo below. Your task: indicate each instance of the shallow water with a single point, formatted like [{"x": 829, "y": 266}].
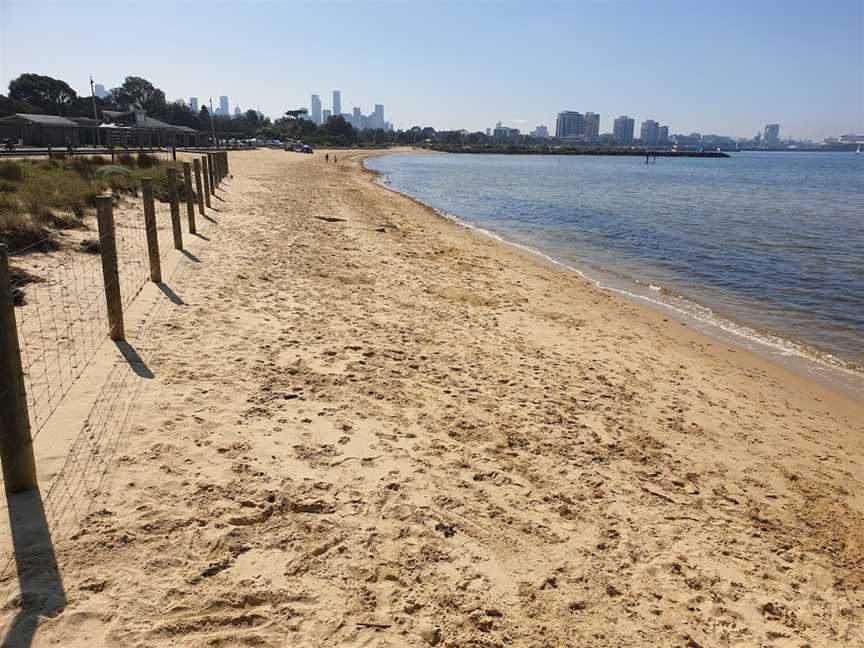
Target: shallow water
[{"x": 767, "y": 247}]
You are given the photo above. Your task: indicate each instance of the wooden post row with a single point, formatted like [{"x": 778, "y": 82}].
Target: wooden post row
[
  {"x": 110, "y": 274},
  {"x": 206, "y": 171},
  {"x": 190, "y": 201},
  {"x": 196, "y": 164},
  {"x": 174, "y": 200},
  {"x": 150, "y": 228},
  {"x": 16, "y": 444}
]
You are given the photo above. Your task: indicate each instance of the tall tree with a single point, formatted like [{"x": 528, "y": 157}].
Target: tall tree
[
  {"x": 137, "y": 92},
  {"x": 52, "y": 96},
  {"x": 253, "y": 118}
]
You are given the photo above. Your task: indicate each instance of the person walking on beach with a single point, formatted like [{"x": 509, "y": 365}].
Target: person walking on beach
[
  {"x": 335, "y": 160},
  {"x": 326, "y": 157}
]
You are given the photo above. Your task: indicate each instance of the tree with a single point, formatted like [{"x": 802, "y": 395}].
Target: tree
[
  {"x": 50, "y": 95},
  {"x": 180, "y": 114},
  {"x": 137, "y": 92},
  {"x": 336, "y": 126},
  {"x": 11, "y": 106},
  {"x": 253, "y": 118}
]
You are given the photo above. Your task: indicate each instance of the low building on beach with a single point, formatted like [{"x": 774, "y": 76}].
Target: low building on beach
[
  {"x": 39, "y": 130},
  {"x": 124, "y": 129}
]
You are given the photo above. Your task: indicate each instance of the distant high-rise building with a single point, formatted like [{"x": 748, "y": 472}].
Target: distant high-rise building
[
  {"x": 315, "y": 109},
  {"x": 540, "y": 131},
  {"x": 224, "y": 108},
  {"x": 337, "y": 102},
  {"x": 100, "y": 91},
  {"x": 663, "y": 135},
  {"x": 378, "y": 116},
  {"x": 772, "y": 134},
  {"x": 237, "y": 111},
  {"x": 650, "y": 132},
  {"x": 592, "y": 126},
  {"x": 622, "y": 130},
  {"x": 488, "y": 132},
  {"x": 325, "y": 115},
  {"x": 193, "y": 104},
  {"x": 356, "y": 113},
  {"x": 570, "y": 124}
]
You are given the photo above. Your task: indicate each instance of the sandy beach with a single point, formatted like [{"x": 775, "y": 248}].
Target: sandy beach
[{"x": 347, "y": 421}]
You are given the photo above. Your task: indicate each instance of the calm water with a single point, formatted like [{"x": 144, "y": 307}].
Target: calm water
[{"x": 764, "y": 247}]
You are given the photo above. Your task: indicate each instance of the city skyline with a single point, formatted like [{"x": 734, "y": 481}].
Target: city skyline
[{"x": 788, "y": 62}]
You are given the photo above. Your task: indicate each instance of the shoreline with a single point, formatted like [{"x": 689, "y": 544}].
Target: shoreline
[
  {"x": 801, "y": 358},
  {"x": 350, "y": 422}
]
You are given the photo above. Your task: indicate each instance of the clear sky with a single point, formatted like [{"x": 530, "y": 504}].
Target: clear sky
[{"x": 718, "y": 66}]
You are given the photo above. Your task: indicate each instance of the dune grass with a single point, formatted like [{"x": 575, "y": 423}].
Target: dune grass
[{"x": 40, "y": 198}]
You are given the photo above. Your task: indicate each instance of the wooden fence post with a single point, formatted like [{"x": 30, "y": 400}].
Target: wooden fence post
[
  {"x": 206, "y": 180},
  {"x": 110, "y": 275},
  {"x": 211, "y": 162},
  {"x": 196, "y": 164},
  {"x": 227, "y": 170},
  {"x": 16, "y": 444},
  {"x": 150, "y": 227},
  {"x": 190, "y": 202},
  {"x": 174, "y": 200}
]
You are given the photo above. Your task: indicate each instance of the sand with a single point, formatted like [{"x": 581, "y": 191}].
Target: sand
[{"x": 350, "y": 422}]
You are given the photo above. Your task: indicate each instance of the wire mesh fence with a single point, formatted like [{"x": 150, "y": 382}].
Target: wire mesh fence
[
  {"x": 61, "y": 317},
  {"x": 61, "y": 313}
]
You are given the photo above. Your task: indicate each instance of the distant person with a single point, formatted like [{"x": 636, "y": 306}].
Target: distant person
[
  {"x": 326, "y": 157},
  {"x": 335, "y": 160}
]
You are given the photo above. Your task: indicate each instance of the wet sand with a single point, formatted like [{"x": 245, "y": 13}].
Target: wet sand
[{"x": 362, "y": 424}]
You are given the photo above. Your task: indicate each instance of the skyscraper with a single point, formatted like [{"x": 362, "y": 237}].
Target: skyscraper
[
  {"x": 622, "y": 130},
  {"x": 315, "y": 109},
  {"x": 100, "y": 91},
  {"x": 592, "y": 126},
  {"x": 378, "y": 116},
  {"x": 237, "y": 111},
  {"x": 663, "y": 135},
  {"x": 337, "y": 102},
  {"x": 325, "y": 115},
  {"x": 224, "y": 108},
  {"x": 650, "y": 132},
  {"x": 193, "y": 104},
  {"x": 570, "y": 124},
  {"x": 772, "y": 134}
]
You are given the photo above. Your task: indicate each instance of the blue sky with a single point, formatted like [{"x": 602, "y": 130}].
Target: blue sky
[{"x": 724, "y": 66}]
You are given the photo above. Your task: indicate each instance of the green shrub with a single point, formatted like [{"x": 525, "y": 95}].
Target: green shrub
[
  {"x": 11, "y": 171},
  {"x": 110, "y": 170},
  {"x": 7, "y": 187}
]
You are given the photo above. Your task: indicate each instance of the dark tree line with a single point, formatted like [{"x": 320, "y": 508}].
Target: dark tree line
[{"x": 35, "y": 93}]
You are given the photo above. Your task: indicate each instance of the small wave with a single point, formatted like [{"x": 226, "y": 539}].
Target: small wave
[{"x": 679, "y": 306}]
